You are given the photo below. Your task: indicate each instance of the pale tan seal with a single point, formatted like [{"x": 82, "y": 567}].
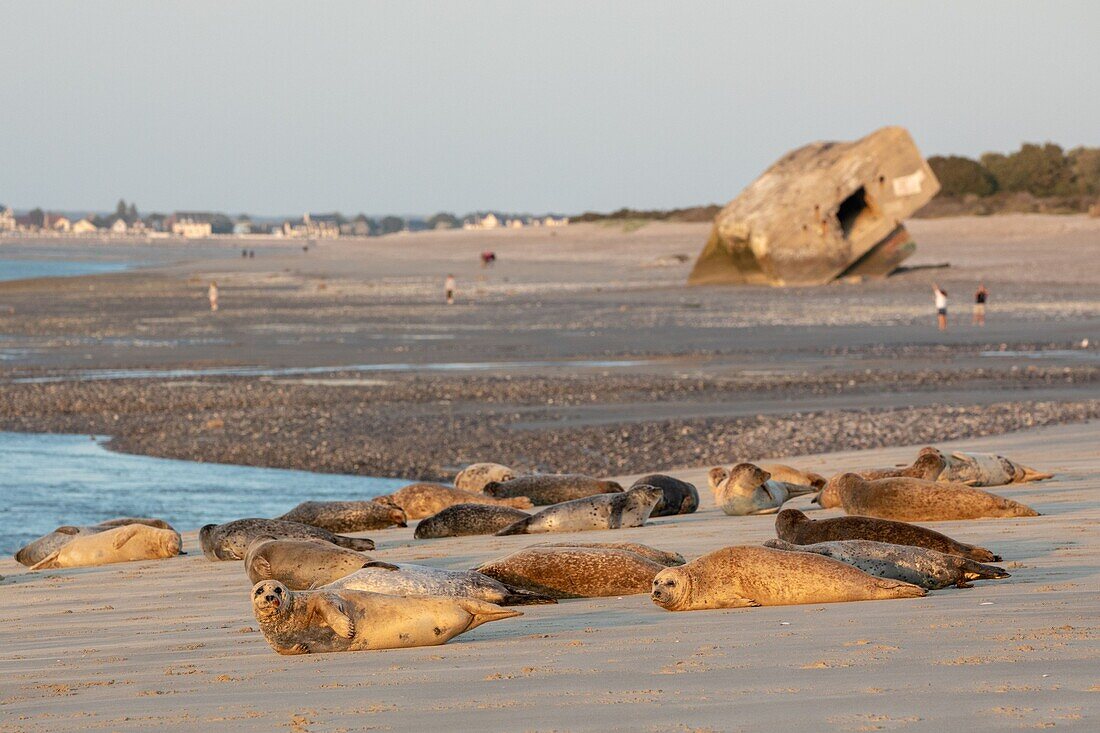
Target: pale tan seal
[
  {"x": 602, "y": 511},
  {"x": 917, "y": 500},
  {"x": 779, "y": 472},
  {"x": 408, "y": 579},
  {"x": 300, "y": 564},
  {"x": 425, "y": 499},
  {"x": 743, "y": 576},
  {"x": 346, "y": 516},
  {"x": 461, "y": 520},
  {"x": 120, "y": 544},
  {"x": 661, "y": 557},
  {"x": 546, "y": 489},
  {"x": 917, "y": 565},
  {"x": 312, "y": 622},
  {"x": 575, "y": 572},
  {"x": 984, "y": 469},
  {"x": 795, "y": 527},
  {"x": 37, "y": 550},
  {"x": 476, "y": 475},
  {"x": 680, "y": 497},
  {"x": 927, "y": 466},
  {"x": 230, "y": 541},
  {"x": 747, "y": 489}
]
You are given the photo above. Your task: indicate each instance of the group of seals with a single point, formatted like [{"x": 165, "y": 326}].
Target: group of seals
[
  {"x": 916, "y": 500},
  {"x": 36, "y": 551},
  {"x": 742, "y": 576},
  {"x": 425, "y": 499},
  {"x": 119, "y": 544},
  {"x": 795, "y": 527},
  {"x": 588, "y": 570},
  {"x": 602, "y": 511},
  {"x": 917, "y": 565},
  {"x": 230, "y": 541},
  {"x": 546, "y": 489},
  {"x": 346, "y": 516},
  {"x": 305, "y": 622},
  {"x": 748, "y": 489}
]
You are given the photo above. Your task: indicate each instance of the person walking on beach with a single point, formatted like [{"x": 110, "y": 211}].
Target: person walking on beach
[
  {"x": 212, "y": 293},
  {"x": 980, "y": 297},
  {"x": 449, "y": 289},
  {"x": 941, "y": 306}
]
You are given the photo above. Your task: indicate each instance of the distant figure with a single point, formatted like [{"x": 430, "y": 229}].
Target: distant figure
[
  {"x": 941, "y": 306},
  {"x": 449, "y": 288},
  {"x": 251, "y": 254},
  {"x": 488, "y": 258},
  {"x": 305, "y": 247},
  {"x": 244, "y": 253},
  {"x": 212, "y": 293},
  {"x": 980, "y": 298}
]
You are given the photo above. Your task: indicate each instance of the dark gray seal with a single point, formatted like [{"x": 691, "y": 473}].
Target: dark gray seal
[
  {"x": 680, "y": 496},
  {"x": 462, "y": 520},
  {"x": 230, "y": 541},
  {"x": 546, "y": 489},
  {"x": 603, "y": 511},
  {"x": 346, "y": 516}
]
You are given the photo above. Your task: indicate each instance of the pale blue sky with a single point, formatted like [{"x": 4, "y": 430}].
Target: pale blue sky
[{"x": 414, "y": 107}]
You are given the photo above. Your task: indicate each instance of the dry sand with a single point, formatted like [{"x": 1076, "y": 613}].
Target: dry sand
[{"x": 173, "y": 645}]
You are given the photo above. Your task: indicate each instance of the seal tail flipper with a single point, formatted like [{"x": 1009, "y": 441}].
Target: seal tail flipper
[
  {"x": 359, "y": 544},
  {"x": 979, "y": 571},
  {"x": 521, "y": 597},
  {"x": 772, "y": 510},
  {"x": 483, "y": 612},
  {"x": 262, "y": 568},
  {"x": 783, "y": 545},
  {"x": 1030, "y": 474},
  {"x": 900, "y": 589},
  {"x": 48, "y": 562},
  {"x": 519, "y": 527},
  {"x": 794, "y": 490}
]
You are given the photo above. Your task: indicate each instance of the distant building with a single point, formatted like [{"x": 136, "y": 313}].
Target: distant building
[
  {"x": 314, "y": 226},
  {"x": 57, "y": 223},
  {"x": 119, "y": 226},
  {"x": 242, "y": 226},
  {"x": 7, "y": 219},
  {"x": 550, "y": 221},
  {"x": 191, "y": 224},
  {"x": 489, "y": 221},
  {"x": 83, "y": 226}
]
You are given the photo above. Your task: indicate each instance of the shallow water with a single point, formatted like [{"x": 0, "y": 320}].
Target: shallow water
[
  {"x": 51, "y": 480},
  {"x": 11, "y": 269}
]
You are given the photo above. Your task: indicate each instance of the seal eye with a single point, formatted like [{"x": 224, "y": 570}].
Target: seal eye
[
  {"x": 278, "y": 591},
  {"x": 259, "y": 591}
]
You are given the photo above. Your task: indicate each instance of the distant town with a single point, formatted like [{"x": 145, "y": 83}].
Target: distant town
[{"x": 127, "y": 222}]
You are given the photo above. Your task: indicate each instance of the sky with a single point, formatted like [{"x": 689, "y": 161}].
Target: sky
[{"x": 406, "y": 107}]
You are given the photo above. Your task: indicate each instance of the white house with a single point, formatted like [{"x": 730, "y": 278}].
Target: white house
[{"x": 119, "y": 227}]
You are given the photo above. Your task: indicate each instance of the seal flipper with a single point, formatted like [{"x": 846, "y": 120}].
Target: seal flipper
[
  {"x": 48, "y": 562},
  {"x": 518, "y": 527},
  {"x": 380, "y": 565},
  {"x": 67, "y": 529},
  {"x": 125, "y": 536},
  {"x": 483, "y": 612},
  {"x": 973, "y": 570},
  {"x": 262, "y": 567},
  {"x": 770, "y": 510},
  {"x": 331, "y": 610},
  {"x": 1030, "y": 474},
  {"x": 521, "y": 597},
  {"x": 353, "y": 543}
]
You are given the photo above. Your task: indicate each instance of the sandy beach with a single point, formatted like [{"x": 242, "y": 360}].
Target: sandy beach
[{"x": 172, "y": 645}]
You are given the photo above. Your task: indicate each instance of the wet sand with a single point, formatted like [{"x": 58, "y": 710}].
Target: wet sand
[{"x": 173, "y": 646}]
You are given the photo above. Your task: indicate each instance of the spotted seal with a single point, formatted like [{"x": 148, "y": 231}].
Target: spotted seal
[
  {"x": 476, "y": 475},
  {"x": 425, "y": 499},
  {"x": 602, "y": 511},
  {"x": 407, "y": 579},
  {"x": 546, "y": 489},
  {"x": 918, "y": 500},
  {"x": 575, "y": 572},
  {"x": 230, "y": 541},
  {"x": 467, "y": 519},
  {"x": 346, "y": 516}
]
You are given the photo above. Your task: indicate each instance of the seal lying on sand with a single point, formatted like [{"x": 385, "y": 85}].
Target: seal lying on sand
[
  {"x": 680, "y": 497},
  {"x": 741, "y": 576},
  {"x": 927, "y": 466},
  {"x": 476, "y": 475},
  {"x": 461, "y": 520},
  {"x": 36, "y": 551},
  {"x": 423, "y": 500},
  {"x": 305, "y": 622},
  {"x": 120, "y": 544},
  {"x": 300, "y": 564},
  {"x": 546, "y": 489},
  {"x": 603, "y": 511},
  {"x": 984, "y": 469},
  {"x": 748, "y": 489},
  {"x": 661, "y": 557},
  {"x": 917, "y": 565},
  {"x": 406, "y": 579},
  {"x": 792, "y": 475},
  {"x": 917, "y": 500},
  {"x": 346, "y": 516},
  {"x": 575, "y": 572},
  {"x": 795, "y": 527},
  {"x": 230, "y": 541}
]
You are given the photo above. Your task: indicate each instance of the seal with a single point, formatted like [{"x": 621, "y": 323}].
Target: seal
[
  {"x": 461, "y": 520},
  {"x": 230, "y": 541},
  {"x": 917, "y": 500},
  {"x": 312, "y": 622},
  {"x": 546, "y": 489},
  {"x": 406, "y": 579},
  {"x": 680, "y": 497},
  {"x": 985, "y": 469},
  {"x": 300, "y": 564},
  {"x": 120, "y": 544},
  {"x": 743, "y": 576},
  {"x": 346, "y": 516},
  {"x": 603, "y": 511},
  {"x": 661, "y": 557},
  {"x": 476, "y": 475},
  {"x": 37, "y": 550},
  {"x": 795, "y": 527},
  {"x": 917, "y": 565},
  {"x": 927, "y": 466},
  {"x": 748, "y": 489},
  {"x": 424, "y": 499},
  {"x": 575, "y": 572}
]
